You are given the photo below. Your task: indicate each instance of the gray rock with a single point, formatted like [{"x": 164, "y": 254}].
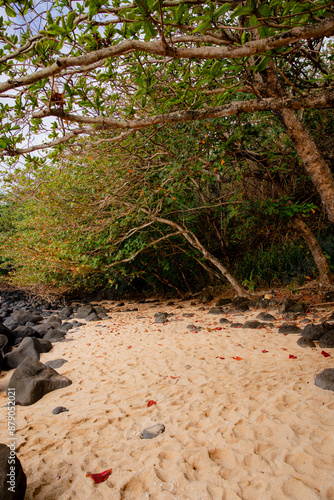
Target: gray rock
[
  {"x": 84, "y": 311},
  {"x": 223, "y": 302},
  {"x": 224, "y": 321},
  {"x": 32, "y": 380},
  {"x": 314, "y": 332},
  {"x": 56, "y": 363},
  {"x": 41, "y": 330},
  {"x": 53, "y": 322},
  {"x": 327, "y": 340},
  {"x": 29, "y": 348},
  {"x": 240, "y": 304},
  {"x": 102, "y": 311},
  {"x": 161, "y": 317},
  {"x": 11, "y": 470},
  {"x": 194, "y": 328},
  {"x": 263, "y": 316},
  {"x": 305, "y": 342},
  {"x": 187, "y": 315},
  {"x": 216, "y": 310},
  {"x": 54, "y": 335},
  {"x": 292, "y": 306},
  {"x": 153, "y": 431},
  {"x": 22, "y": 317},
  {"x": 286, "y": 328},
  {"x": 65, "y": 327},
  {"x": 325, "y": 379},
  {"x": 236, "y": 325},
  {"x": 4, "y": 346},
  {"x": 206, "y": 298},
  {"x": 59, "y": 409},
  {"x": 252, "y": 324},
  {"x": 24, "y": 331},
  {"x": 65, "y": 312},
  {"x": 46, "y": 345},
  {"x": 93, "y": 317},
  {"x": 8, "y": 334}
]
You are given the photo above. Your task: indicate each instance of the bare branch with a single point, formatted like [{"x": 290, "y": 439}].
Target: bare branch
[{"x": 317, "y": 30}]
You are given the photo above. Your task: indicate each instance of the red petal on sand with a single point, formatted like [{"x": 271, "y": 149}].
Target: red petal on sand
[
  {"x": 219, "y": 357},
  {"x": 129, "y": 347},
  {"x": 291, "y": 356},
  {"x": 218, "y": 328},
  {"x": 151, "y": 403},
  {"x": 174, "y": 377},
  {"x": 264, "y": 350},
  {"x": 283, "y": 349},
  {"x": 237, "y": 358},
  {"x": 325, "y": 354},
  {"x": 101, "y": 477}
]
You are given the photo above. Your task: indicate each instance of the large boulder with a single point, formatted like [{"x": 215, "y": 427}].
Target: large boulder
[
  {"x": 8, "y": 334},
  {"x": 4, "y": 346},
  {"x": 292, "y": 306},
  {"x": 325, "y": 379},
  {"x": 32, "y": 380},
  {"x": 23, "y": 331},
  {"x": 22, "y": 317},
  {"x": 13, "y": 481},
  {"x": 46, "y": 345},
  {"x": 85, "y": 311},
  {"x": 327, "y": 340},
  {"x": 264, "y": 316},
  {"x": 315, "y": 332},
  {"x": 289, "y": 328},
  {"x": 29, "y": 348},
  {"x": 240, "y": 304},
  {"x": 54, "y": 335},
  {"x": 65, "y": 312},
  {"x": 53, "y": 322}
]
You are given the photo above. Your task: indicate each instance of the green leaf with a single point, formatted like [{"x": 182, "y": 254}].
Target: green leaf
[
  {"x": 263, "y": 63},
  {"x": 264, "y": 10},
  {"x": 253, "y": 20},
  {"x": 10, "y": 11},
  {"x": 55, "y": 30},
  {"x": 70, "y": 18},
  {"x": 222, "y": 10}
]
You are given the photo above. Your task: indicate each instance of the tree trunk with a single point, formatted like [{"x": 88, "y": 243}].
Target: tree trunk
[
  {"x": 326, "y": 276},
  {"x": 314, "y": 163},
  {"x": 195, "y": 243}
]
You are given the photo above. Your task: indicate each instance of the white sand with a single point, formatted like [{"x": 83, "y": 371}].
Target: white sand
[{"x": 256, "y": 428}]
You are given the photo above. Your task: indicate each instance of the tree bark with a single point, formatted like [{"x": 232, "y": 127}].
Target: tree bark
[
  {"x": 326, "y": 276},
  {"x": 194, "y": 242},
  {"x": 314, "y": 163}
]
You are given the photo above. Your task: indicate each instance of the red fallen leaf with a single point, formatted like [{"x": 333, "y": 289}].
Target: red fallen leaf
[
  {"x": 325, "y": 354},
  {"x": 219, "y": 357},
  {"x": 151, "y": 403},
  {"x": 237, "y": 358},
  {"x": 101, "y": 477},
  {"x": 129, "y": 347},
  {"x": 283, "y": 349},
  {"x": 218, "y": 328},
  {"x": 291, "y": 356},
  {"x": 264, "y": 350}
]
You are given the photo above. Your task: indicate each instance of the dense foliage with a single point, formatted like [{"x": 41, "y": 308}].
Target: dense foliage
[{"x": 191, "y": 142}]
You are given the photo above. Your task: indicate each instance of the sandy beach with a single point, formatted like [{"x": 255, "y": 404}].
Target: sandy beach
[{"x": 243, "y": 420}]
